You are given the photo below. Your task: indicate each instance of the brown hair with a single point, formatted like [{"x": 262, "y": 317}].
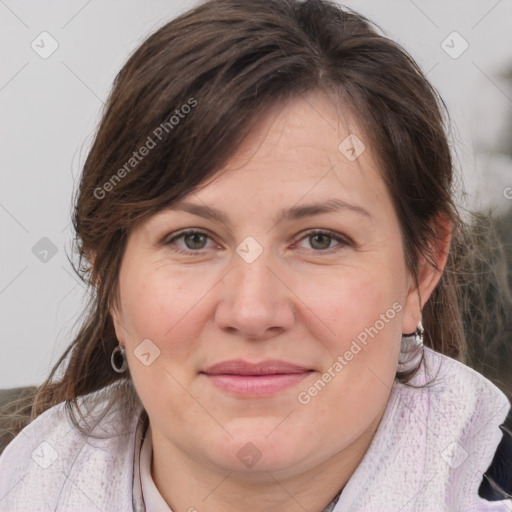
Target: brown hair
[{"x": 229, "y": 61}]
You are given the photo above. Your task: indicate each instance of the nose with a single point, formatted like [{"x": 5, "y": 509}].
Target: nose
[{"x": 255, "y": 304}]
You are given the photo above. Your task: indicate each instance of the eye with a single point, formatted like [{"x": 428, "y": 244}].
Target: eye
[
  {"x": 194, "y": 241},
  {"x": 322, "y": 240},
  {"x": 190, "y": 241}
]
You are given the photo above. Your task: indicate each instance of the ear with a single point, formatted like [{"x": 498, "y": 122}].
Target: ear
[
  {"x": 428, "y": 275},
  {"x": 117, "y": 320}
]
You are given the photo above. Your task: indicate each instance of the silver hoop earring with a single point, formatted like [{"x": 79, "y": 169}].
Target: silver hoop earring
[
  {"x": 419, "y": 334},
  {"x": 411, "y": 350},
  {"x": 124, "y": 365}
]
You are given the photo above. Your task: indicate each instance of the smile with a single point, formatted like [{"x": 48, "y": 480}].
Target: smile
[{"x": 255, "y": 379}]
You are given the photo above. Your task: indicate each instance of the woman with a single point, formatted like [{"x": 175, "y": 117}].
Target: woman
[{"x": 266, "y": 218}]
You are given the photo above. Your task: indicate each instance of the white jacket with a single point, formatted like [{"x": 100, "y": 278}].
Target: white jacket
[{"x": 429, "y": 453}]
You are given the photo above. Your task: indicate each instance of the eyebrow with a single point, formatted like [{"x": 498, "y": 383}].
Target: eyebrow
[{"x": 287, "y": 214}]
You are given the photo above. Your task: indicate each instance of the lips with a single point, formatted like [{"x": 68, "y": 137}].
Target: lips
[
  {"x": 241, "y": 367},
  {"x": 244, "y": 379}
]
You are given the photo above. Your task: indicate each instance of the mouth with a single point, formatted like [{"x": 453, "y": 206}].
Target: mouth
[{"x": 243, "y": 378}]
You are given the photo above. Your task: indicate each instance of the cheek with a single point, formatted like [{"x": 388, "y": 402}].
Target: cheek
[
  {"x": 162, "y": 305},
  {"x": 359, "y": 321},
  {"x": 165, "y": 308},
  {"x": 349, "y": 302},
  {"x": 357, "y": 316}
]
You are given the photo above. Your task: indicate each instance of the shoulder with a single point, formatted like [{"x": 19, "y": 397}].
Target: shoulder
[
  {"x": 497, "y": 481},
  {"x": 454, "y": 387},
  {"x": 464, "y": 399},
  {"x": 435, "y": 442},
  {"x": 52, "y": 464}
]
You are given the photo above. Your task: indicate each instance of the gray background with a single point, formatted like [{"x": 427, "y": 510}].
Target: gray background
[{"x": 49, "y": 109}]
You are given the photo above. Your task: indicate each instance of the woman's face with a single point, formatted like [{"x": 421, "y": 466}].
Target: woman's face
[{"x": 297, "y": 266}]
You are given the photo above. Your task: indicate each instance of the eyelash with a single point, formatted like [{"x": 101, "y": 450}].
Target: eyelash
[{"x": 343, "y": 241}]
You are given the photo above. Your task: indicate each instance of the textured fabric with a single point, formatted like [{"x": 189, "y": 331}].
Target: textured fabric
[
  {"x": 433, "y": 445},
  {"x": 51, "y": 466},
  {"x": 431, "y": 449}
]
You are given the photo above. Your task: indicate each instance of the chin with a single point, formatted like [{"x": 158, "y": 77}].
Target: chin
[{"x": 258, "y": 450}]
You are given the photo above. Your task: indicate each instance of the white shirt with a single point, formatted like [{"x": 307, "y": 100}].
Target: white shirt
[
  {"x": 429, "y": 453},
  {"x": 151, "y": 497}
]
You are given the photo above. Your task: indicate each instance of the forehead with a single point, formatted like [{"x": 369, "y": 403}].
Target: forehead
[
  {"x": 308, "y": 123},
  {"x": 306, "y": 146}
]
